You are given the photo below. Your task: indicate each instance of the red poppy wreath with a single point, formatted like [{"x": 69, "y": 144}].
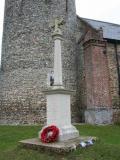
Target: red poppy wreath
[{"x": 49, "y": 134}]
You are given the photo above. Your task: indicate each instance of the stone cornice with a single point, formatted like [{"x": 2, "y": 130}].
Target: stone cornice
[
  {"x": 58, "y": 91},
  {"x": 94, "y": 42}
]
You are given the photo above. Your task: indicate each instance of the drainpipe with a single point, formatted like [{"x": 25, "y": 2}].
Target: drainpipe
[
  {"x": 118, "y": 69},
  {"x": 66, "y": 5}
]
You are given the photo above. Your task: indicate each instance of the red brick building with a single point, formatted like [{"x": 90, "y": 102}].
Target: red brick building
[{"x": 101, "y": 70}]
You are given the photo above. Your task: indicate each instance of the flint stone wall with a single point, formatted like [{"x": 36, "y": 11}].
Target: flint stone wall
[
  {"x": 27, "y": 57},
  {"x": 114, "y": 72}
]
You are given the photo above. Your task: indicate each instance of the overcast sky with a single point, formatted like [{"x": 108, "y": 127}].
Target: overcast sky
[{"x": 104, "y": 10}]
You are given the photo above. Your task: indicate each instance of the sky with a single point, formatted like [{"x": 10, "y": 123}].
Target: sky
[{"x": 104, "y": 10}]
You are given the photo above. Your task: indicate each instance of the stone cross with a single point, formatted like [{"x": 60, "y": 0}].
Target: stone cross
[
  {"x": 57, "y": 23},
  {"x": 58, "y": 98}
]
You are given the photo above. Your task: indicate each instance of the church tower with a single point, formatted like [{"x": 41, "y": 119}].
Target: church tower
[{"x": 27, "y": 57}]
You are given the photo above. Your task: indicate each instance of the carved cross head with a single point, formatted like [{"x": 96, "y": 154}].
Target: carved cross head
[{"x": 57, "y": 23}]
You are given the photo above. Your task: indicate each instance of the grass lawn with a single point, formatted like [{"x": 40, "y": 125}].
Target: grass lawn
[{"x": 106, "y": 148}]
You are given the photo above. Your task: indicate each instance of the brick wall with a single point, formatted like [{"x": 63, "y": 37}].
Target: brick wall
[{"x": 97, "y": 75}]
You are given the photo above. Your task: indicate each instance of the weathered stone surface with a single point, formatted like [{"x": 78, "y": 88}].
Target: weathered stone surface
[
  {"x": 99, "y": 116},
  {"x": 59, "y": 147},
  {"x": 113, "y": 72}
]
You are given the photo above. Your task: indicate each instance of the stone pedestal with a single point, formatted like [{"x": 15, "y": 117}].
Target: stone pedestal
[
  {"x": 58, "y": 147},
  {"x": 59, "y": 113}
]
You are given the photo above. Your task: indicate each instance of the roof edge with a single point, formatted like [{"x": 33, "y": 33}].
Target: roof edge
[{"x": 82, "y": 18}]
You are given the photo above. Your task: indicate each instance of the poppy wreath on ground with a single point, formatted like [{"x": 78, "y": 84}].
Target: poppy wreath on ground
[{"x": 49, "y": 134}]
